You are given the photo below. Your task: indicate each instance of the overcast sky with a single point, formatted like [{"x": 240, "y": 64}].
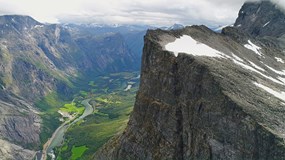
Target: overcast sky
[{"x": 152, "y": 12}]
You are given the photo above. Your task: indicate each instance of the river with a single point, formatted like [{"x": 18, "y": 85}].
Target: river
[{"x": 58, "y": 136}]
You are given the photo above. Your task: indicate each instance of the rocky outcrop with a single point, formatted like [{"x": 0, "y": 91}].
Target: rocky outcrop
[
  {"x": 10, "y": 151},
  {"x": 221, "y": 99},
  {"x": 262, "y": 18},
  {"x": 19, "y": 128}
]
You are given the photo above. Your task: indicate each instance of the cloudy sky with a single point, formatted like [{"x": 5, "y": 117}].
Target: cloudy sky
[{"x": 152, "y": 12}]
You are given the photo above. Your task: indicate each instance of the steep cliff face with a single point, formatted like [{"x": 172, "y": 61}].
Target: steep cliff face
[{"x": 205, "y": 95}]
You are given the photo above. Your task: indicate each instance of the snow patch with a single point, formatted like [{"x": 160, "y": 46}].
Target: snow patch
[
  {"x": 266, "y": 24},
  {"x": 256, "y": 66},
  {"x": 281, "y": 79},
  {"x": 279, "y": 60},
  {"x": 253, "y": 47},
  {"x": 237, "y": 58},
  {"x": 245, "y": 66},
  {"x": 128, "y": 87},
  {"x": 38, "y": 26},
  {"x": 282, "y": 73},
  {"x": 186, "y": 44},
  {"x": 280, "y": 95},
  {"x": 239, "y": 25},
  {"x": 256, "y": 71}
]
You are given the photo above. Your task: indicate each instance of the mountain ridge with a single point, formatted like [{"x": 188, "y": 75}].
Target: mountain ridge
[{"x": 221, "y": 96}]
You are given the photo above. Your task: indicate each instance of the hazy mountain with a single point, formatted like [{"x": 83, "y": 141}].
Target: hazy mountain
[{"x": 39, "y": 59}]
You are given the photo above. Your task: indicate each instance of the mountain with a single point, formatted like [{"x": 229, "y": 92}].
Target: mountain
[
  {"x": 47, "y": 60},
  {"x": 173, "y": 27},
  {"x": 261, "y": 19},
  {"x": 221, "y": 96},
  {"x": 220, "y": 28},
  {"x": 131, "y": 36}
]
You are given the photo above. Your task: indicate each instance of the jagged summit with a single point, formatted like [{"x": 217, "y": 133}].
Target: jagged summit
[{"x": 263, "y": 18}]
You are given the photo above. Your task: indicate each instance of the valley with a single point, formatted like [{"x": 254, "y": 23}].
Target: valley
[
  {"x": 48, "y": 72},
  {"x": 107, "y": 106},
  {"x": 128, "y": 86}
]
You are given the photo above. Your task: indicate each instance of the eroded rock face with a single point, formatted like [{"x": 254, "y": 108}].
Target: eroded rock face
[
  {"x": 11, "y": 152},
  {"x": 197, "y": 106},
  {"x": 19, "y": 129},
  {"x": 261, "y": 19}
]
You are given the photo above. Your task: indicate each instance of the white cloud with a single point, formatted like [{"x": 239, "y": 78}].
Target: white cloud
[{"x": 155, "y": 12}]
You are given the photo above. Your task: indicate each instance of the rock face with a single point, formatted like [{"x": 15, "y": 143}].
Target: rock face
[
  {"x": 261, "y": 19},
  {"x": 224, "y": 98},
  {"x": 12, "y": 152}
]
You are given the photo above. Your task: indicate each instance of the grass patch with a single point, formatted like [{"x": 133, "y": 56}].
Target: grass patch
[
  {"x": 102, "y": 100},
  {"x": 77, "y": 152},
  {"x": 72, "y": 108}
]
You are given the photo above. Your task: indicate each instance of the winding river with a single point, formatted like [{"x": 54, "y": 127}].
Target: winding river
[{"x": 58, "y": 136}]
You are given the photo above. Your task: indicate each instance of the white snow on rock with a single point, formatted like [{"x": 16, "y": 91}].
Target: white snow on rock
[
  {"x": 258, "y": 72},
  {"x": 237, "y": 58},
  {"x": 246, "y": 66},
  {"x": 186, "y": 44},
  {"x": 253, "y": 47},
  {"x": 282, "y": 73},
  {"x": 280, "y": 95},
  {"x": 38, "y": 26},
  {"x": 281, "y": 79},
  {"x": 266, "y": 24},
  {"x": 279, "y": 60},
  {"x": 128, "y": 87},
  {"x": 256, "y": 66}
]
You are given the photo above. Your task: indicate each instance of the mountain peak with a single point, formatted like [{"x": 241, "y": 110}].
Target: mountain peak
[
  {"x": 175, "y": 27},
  {"x": 18, "y": 21},
  {"x": 263, "y": 18}
]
